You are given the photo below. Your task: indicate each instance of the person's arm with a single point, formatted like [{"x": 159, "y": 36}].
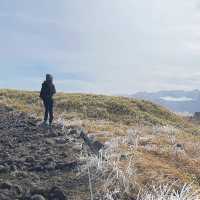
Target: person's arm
[
  {"x": 42, "y": 91},
  {"x": 54, "y": 90}
]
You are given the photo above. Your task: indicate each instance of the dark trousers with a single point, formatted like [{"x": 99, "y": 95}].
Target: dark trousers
[{"x": 48, "y": 105}]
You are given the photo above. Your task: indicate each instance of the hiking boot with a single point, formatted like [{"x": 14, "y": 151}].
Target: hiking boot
[
  {"x": 50, "y": 125},
  {"x": 44, "y": 123}
]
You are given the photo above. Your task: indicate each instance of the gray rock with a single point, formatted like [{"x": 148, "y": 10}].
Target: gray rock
[
  {"x": 6, "y": 185},
  {"x": 38, "y": 197},
  {"x": 5, "y": 196},
  {"x": 50, "y": 165},
  {"x": 4, "y": 169},
  {"x": 56, "y": 193},
  {"x": 29, "y": 159},
  {"x": 60, "y": 140},
  {"x": 72, "y": 131},
  {"x": 77, "y": 147},
  {"x": 18, "y": 189},
  {"x": 97, "y": 145}
]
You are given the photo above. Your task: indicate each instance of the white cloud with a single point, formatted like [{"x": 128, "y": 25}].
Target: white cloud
[
  {"x": 179, "y": 99},
  {"x": 123, "y": 46}
]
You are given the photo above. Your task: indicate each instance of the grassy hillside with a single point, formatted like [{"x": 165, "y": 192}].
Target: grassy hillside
[
  {"x": 153, "y": 144},
  {"x": 87, "y": 106}
]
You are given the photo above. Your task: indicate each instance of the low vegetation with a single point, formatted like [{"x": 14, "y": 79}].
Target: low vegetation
[
  {"x": 150, "y": 153},
  {"x": 100, "y": 107}
]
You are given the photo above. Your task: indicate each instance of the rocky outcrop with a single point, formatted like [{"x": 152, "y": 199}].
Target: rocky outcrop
[{"x": 37, "y": 163}]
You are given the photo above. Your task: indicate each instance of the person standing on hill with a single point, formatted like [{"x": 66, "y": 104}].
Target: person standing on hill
[{"x": 46, "y": 94}]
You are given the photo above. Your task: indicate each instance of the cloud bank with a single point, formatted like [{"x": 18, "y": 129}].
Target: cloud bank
[{"x": 112, "y": 47}]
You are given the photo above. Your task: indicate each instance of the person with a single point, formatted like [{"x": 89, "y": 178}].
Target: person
[{"x": 46, "y": 94}]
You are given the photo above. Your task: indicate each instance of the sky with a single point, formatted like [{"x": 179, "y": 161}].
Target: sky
[{"x": 100, "y": 46}]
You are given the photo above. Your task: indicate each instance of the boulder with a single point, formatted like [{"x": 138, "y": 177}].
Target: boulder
[{"x": 56, "y": 193}]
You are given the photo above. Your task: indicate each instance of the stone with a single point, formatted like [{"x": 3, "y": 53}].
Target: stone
[
  {"x": 97, "y": 145},
  {"x": 66, "y": 166},
  {"x": 6, "y": 186},
  {"x": 37, "y": 168},
  {"x": 179, "y": 146},
  {"x": 60, "y": 140},
  {"x": 29, "y": 159},
  {"x": 50, "y": 141},
  {"x": 50, "y": 165},
  {"x": 37, "y": 197},
  {"x": 56, "y": 193},
  {"x": 18, "y": 189},
  {"x": 72, "y": 131},
  {"x": 77, "y": 147},
  {"x": 4, "y": 169}
]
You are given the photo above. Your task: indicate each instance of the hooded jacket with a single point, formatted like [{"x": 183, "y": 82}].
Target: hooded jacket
[{"x": 47, "y": 90}]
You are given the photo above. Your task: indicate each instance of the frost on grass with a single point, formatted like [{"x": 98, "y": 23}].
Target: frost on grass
[
  {"x": 117, "y": 182},
  {"x": 167, "y": 192},
  {"x": 171, "y": 130},
  {"x": 115, "y": 179}
]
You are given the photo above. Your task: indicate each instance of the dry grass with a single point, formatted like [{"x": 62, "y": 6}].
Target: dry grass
[
  {"x": 164, "y": 148},
  {"x": 152, "y": 163},
  {"x": 99, "y": 107}
]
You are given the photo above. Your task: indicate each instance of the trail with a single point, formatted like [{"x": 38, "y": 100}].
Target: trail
[{"x": 40, "y": 163}]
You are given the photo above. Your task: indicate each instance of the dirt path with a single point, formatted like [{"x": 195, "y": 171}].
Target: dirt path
[{"x": 39, "y": 163}]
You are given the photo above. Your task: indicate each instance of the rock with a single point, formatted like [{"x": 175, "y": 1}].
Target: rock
[
  {"x": 18, "y": 189},
  {"x": 4, "y": 169},
  {"x": 60, "y": 140},
  {"x": 72, "y": 131},
  {"x": 53, "y": 134},
  {"x": 5, "y": 196},
  {"x": 179, "y": 146},
  {"x": 13, "y": 167},
  {"x": 29, "y": 159},
  {"x": 56, "y": 193},
  {"x": 37, "y": 197},
  {"x": 50, "y": 165},
  {"x": 66, "y": 166},
  {"x": 37, "y": 168},
  {"x": 76, "y": 132},
  {"x": 13, "y": 189},
  {"x": 77, "y": 147},
  {"x": 6, "y": 155},
  {"x": 5, "y": 186},
  {"x": 123, "y": 157},
  {"x": 36, "y": 155},
  {"x": 97, "y": 145},
  {"x": 50, "y": 141},
  {"x": 20, "y": 174},
  {"x": 38, "y": 190}
]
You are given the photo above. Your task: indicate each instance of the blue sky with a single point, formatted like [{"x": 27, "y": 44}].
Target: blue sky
[{"x": 100, "y": 46}]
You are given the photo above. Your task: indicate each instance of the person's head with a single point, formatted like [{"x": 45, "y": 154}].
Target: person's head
[{"x": 49, "y": 78}]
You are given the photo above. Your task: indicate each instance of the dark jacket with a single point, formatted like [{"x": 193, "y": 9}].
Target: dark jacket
[{"x": 47, "y": 90}]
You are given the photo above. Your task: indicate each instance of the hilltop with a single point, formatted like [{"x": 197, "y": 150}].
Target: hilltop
[
  {"x": 139, "y": 146},
  {"x": 99, "y": 107}
]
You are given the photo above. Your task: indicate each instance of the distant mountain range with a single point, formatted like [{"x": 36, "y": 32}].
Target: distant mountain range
[{"x": 177, "y": 100}]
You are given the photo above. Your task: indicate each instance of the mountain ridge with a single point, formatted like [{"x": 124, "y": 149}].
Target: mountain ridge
[{"x": 176, "y": 100}]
